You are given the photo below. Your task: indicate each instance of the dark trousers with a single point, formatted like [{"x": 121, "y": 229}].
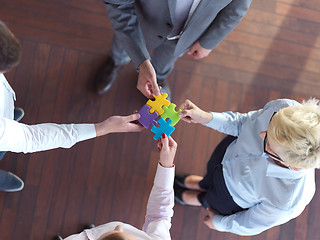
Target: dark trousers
[
  {"x": 2, "y": 154},
  {"x": 217, "y": 196}
]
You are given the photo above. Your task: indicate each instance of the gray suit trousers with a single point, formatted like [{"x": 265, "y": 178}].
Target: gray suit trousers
[{"x": 162, "y": 58}]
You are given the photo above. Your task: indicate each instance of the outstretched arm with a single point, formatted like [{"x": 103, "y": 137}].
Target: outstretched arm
[
  {"x": 161, "y": 199},
  {"x": 19, "y": 137},
  {"x": 126, "y": 26}
]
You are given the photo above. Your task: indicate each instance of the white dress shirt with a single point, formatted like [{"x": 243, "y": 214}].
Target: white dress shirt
[
  {"x": 272, "y": 194},
  {"x": 18, "y": 137},
  {"x": 159, "y": 212}
]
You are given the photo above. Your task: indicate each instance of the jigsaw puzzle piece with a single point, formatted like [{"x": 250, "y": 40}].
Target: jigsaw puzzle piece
[
  {"x": 158, "y": 103},
  {"x": 170, "y": 112},
  {"x": 147, "y": 118},
  {"x": 164, "y": 127}
]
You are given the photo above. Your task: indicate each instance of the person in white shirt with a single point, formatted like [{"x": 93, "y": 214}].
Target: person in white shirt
[
  {"x": 18, "y": 137},
  {"x": 159, "y": 209}
]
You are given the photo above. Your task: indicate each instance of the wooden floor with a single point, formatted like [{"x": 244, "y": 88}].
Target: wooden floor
[{"x": 273, "y": 53}]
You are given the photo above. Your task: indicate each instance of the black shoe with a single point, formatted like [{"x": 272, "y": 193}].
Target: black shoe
[
  {"x": 10, "y": 182},
  {"x": 57, "y": 238},
  {"x": 178, "y": 196},
  {"x": 179, "y": 180},
  {"x": 18, "y": 114},
  {"x": 165, "y": 88},
  {"x": 106, "y": 76},
  {"x": 89, "y": 226}
]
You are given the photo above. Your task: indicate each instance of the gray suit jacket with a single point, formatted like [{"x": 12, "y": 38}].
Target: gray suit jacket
[{"x": 144, "y": 24}]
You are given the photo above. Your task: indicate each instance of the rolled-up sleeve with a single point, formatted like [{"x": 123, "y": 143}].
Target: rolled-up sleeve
[
  {"x": 227, "y": 122},
  {"x": 255, "y": 220}
]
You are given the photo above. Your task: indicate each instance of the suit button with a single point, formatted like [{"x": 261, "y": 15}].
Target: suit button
[
  {"x": 169, "y": 25},
  {"x": 160, "y": 37}
]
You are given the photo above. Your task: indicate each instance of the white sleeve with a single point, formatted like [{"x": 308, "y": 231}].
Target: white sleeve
[
  {"x": 160, "y": 205},
  {"x": 18, "y": 137}
]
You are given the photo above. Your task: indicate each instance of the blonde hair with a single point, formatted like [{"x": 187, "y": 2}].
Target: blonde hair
[{"x": 296, "y": 129}]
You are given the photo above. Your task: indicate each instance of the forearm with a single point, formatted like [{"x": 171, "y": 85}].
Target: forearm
[
  {"x": 161, "y": 199},
  {"x": 227, "y": 122},
  {"x": 252, "y": 221},
  {"x": 126, "y": 25}
]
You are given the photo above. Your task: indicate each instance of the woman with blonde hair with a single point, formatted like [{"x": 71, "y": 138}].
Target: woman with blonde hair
[{"x": 263, "y": 173}]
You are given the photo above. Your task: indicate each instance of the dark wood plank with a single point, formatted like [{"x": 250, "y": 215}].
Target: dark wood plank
[{"x": 273, "y": 53}]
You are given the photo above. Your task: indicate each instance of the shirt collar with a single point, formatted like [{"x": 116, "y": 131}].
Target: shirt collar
[
  {"x": 7, "y": 85},
  {"x": 273, "y": 170}
]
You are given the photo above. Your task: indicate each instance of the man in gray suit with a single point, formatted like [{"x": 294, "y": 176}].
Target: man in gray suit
[{"x": 169, "y": 28}]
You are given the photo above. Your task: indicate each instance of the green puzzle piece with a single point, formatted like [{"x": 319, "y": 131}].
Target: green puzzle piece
[{"x": 170, "y": 112}]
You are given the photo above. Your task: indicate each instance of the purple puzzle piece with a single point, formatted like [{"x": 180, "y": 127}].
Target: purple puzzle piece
[{"x": 147, "y": 118}]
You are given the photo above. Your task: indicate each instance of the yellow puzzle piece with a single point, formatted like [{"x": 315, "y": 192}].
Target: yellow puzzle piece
[{"x": 158, "y": 103}]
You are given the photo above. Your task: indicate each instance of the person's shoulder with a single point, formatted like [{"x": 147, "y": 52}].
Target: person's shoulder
[{"x": 281, "y": 103}]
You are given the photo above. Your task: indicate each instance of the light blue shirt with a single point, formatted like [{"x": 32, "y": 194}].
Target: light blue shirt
[{"x": 272, "y": 194}]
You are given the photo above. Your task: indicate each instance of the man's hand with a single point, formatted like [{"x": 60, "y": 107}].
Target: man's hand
[
  {"x": 192, "y": 114},
  {"x": 198, "y": 52},
  {"x": 147, "y": 80},
  {"x": 167, "y": 147},
  {"x": 208, "y": 219},
  {"x": 119, "y": 124}
]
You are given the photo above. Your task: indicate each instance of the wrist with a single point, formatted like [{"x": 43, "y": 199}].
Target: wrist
[
  {"x": 145, "y": 64},
  {"x": 206, "y": 117},
  {"x": 102, "y": 129},
  {"x": 166, "y": 165}
]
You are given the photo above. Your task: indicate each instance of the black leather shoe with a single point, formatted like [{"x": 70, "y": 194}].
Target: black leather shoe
[
  {"x": 10, "y": 182},
  {"x": 89, "y": 226},
  {"x": 57, "y": 238},
  {"x": 179, "y": 180},
  {"x": 165, "y": 88},
  {"x": 106, "y": 76},
  {"x": 18, "y": 114}
]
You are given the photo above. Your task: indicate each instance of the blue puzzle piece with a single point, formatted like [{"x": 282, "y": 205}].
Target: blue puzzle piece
[
  {"x": 147, "y": 118},
  {"x": 164, "y": 127}
]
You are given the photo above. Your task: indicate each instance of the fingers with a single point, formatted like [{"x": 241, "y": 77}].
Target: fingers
[
  {"x": 155, "y": 88},
  {"x": 145, "y": 90},
  {"x": 164, "y": 141},
  {"x": 132, "y": 117},
  {"x": 159, "y": 144},
  {"x": 187, "y": 104},
  {"x": 172, "y": 143},
  {"x": 134, "y": 127},
  {"x": 184, "y": 113},
  {"x": 208, "y": 219},
  {"x": 192, "y": 50}
]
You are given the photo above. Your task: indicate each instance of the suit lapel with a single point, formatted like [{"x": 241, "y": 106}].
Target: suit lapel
[
  {"x": 172, "y": 8},
  {"x": 202, "y": 8}
]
